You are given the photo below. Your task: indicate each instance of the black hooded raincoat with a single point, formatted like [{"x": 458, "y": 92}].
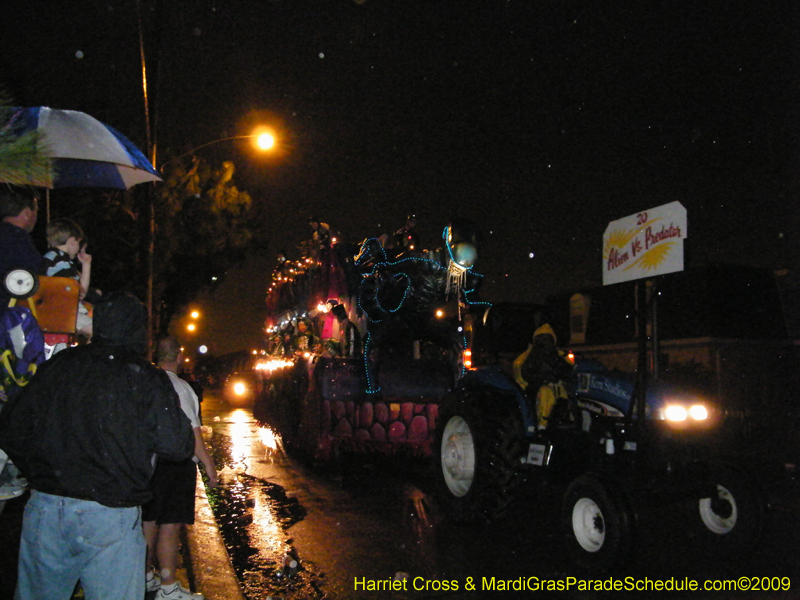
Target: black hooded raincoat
[{"x": 93, "y": 418}]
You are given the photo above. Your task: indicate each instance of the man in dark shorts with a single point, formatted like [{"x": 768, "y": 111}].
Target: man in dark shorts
[{"x": 173, "y": 486}]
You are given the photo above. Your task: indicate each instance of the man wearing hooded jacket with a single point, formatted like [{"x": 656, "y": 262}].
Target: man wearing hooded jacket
[{"x": 85, "y": 433}]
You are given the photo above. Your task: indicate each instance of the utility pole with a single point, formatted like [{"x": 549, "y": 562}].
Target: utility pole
[{"x": 151, "y": 151}]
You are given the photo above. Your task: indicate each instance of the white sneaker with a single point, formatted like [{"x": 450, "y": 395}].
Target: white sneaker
[
  {"x": 176, "y": 592},
  {"x": 152, "y": 581}
]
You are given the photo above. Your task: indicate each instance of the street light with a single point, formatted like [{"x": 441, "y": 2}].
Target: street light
[
  {"x": 191, "y": 326},
  {"x": 264, "y": 140}
]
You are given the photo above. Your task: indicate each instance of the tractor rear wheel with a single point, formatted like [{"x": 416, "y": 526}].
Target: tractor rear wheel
[{"x": 478, "y": 450}]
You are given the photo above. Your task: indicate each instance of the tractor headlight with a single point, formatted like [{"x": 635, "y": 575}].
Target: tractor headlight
[
  {"x": 675, "y": 413},
  {"x": 698, "y": 412},
  {"x": 679, "y": 413}
]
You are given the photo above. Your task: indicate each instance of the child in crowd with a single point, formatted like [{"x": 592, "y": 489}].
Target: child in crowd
[{"x": 67, "y": 257}]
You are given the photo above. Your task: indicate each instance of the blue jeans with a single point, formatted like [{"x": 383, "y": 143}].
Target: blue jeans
[{"x": 65, "y": 540}]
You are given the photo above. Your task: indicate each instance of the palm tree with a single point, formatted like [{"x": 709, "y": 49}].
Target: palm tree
[{"x": 23, "y": 160}]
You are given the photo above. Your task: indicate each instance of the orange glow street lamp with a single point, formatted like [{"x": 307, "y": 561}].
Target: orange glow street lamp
[{"x": 263, "y": 140}]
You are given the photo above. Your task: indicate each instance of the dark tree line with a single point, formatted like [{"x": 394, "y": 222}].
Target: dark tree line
[{"x": 203, "y": 225}]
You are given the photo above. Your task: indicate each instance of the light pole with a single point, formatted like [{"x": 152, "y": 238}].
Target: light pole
[{"x": 265, "y": 141}]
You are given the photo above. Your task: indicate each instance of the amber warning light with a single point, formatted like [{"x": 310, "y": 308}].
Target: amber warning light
[{"x": 468, "y": 358}]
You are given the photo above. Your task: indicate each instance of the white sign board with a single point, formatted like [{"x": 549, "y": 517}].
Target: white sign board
[{"x": 646, "y": 244}]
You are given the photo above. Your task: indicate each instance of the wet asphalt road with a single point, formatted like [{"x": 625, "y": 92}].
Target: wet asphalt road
[{"x": 374, "y": 519}]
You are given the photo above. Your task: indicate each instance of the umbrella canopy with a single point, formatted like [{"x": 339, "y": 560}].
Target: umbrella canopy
[{"x": 85, "y": 151}]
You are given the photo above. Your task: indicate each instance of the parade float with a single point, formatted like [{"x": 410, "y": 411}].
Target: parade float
[{"x": 411, "y": 309}]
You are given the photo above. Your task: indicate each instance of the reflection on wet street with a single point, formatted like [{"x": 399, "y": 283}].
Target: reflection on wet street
[
  {"x": 364, "y": 520},
  {"x": 299, "y": 532},
  {"x": 253, "y": 514}
]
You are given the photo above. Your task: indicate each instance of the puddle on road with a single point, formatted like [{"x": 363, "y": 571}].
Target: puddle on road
[{"x": 254, "y": 516}]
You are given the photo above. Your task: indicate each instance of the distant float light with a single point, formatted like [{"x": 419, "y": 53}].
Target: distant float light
[
  {"x": 530, "y": 255},
  {"x": 190, "y": 327},
  {"x": 439, "y": 313},
  {"x": 203, "y": 349},
  {"x": 195, "y": 314},
  {"x": 273, "y": 364}
]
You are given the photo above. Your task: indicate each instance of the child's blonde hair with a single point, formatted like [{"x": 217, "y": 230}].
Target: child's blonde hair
[{"x": 60, "y": 230}]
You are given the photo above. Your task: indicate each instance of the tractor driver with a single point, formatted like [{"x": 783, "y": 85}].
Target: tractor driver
[{"x": 540, "y": 369}]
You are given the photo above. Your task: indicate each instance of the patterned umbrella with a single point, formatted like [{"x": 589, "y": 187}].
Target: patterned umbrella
[{"x": 85, "y": 152}]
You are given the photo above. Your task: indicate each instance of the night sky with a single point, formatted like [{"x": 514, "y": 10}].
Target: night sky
[{"x": 543, "y": 120}]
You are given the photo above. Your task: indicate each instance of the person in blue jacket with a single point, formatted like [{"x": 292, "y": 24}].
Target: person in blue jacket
[{"x": 18, "y": 215}]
